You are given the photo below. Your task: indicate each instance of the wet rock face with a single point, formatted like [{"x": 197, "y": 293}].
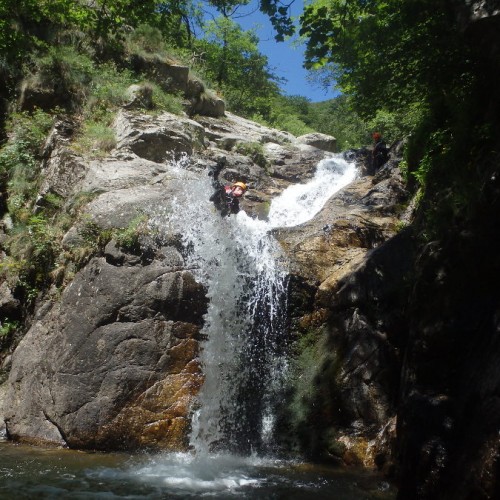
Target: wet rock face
[
  {"x": 349, "y": 287},
  {"x": 449, "y": 412},
  {"x": 113, "y": 364}
]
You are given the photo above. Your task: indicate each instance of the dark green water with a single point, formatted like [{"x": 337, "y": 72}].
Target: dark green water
[{"x": 33, "y": 473}]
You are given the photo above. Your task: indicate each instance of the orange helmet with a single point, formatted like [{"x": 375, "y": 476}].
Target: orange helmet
[
  {"x": 376, "y": 136},
  {"x": 242, "y": 185}
]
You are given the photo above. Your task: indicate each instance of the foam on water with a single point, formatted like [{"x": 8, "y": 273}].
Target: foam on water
[
  {"x": 301, "y": 202},
  {"x": 199, "y": 473}
]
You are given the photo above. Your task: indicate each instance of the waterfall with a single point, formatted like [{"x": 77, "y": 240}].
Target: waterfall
[
  {"x": 301, "y": 202},
  {"x": 244, "y": 271}
]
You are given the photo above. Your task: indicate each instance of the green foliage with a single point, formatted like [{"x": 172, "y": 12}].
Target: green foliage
[
  {"x": 53, "y": 201},
  {"x": 145, "y": 38},
  {"x": 65, "y": 69},
  {"x": 309, "y": 352},
  {"x": 25, "y": 26},
  {"x": 403, "y": 167},
  {"x": 166, "y": 101},
  {"x": 409, "y": 69},
  {"x": 297, "y": 115},
  {"x": 94, "y": 235},
  {"x": 233, "y": 62},
  {"x": 33, "y": 247},
  {"x": 35, "y": 26},
  {"x": 387, "y": 55},
  {"x": 20, "y": 156},
  {"x": 30, "y": 128},
  {"x": 278, "y": 13},
  {"x": 336, "y": 117},
  {"x": 7, "y": 327},
  {"x": 177, "y": 20},
  {"x": 292, "y": 124},
  {"x": 107, "y": 91},
  {"x": 96, "y": 138},
  {"x": 289, "y": 113},
  {"x": 128, "y": 238},
  {"x": 95, "y": 238},
  {"x": 394, "y": 125},
  {"x": 254, "y": 150}
]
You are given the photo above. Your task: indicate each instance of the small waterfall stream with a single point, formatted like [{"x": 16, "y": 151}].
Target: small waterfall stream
[{"x": 244, "y": 271}]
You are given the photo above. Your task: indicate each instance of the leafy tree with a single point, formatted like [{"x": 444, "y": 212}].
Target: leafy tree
[
  {"x": 228, "y": 8},
  {"x": 233, "y": 61},
  {"x": 277, "y": 10},
  {"x": 177, "y": 20},
  {"x": 289, "y": 113},
  {"x": 387, "y": 54},
  {"x": 336, "y": 117},
  {"x": 279, "y": 17}
]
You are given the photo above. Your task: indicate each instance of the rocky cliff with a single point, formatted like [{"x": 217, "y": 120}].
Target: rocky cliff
[
  {"x": 350, "y": 270},
  {"x": 110, "y": 360},
  {"x": 393, "y": 347}
]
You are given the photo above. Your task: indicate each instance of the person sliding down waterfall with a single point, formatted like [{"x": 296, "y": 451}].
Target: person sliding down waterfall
[{"x": 226, "y": 198}]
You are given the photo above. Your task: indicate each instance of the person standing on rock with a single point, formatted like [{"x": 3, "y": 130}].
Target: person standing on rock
[
  {"x": 379, "y": 152},
  {"x": 226, "y": 198}
]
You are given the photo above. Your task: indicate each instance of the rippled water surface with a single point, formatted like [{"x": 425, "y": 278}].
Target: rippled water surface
[{"x": 28, "y": 473}]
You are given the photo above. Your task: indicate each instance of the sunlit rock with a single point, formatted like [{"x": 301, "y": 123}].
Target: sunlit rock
[
  {"x": 114, "y": 362},
  {"x": 160, "y": 138},
  {"x": 320, "y": 141}
]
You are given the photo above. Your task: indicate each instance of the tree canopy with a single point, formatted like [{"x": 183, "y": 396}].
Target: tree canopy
[{"x": 388, "y": 54}]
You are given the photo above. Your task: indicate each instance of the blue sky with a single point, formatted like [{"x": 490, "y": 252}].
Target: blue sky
[{"x": 285, "y": 58}]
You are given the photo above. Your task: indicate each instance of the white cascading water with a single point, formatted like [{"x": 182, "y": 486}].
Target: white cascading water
[
  {"x": 241, "y": 264},
  {"x": 244, "y": 271},
  {"x": 301, "y": 202}
]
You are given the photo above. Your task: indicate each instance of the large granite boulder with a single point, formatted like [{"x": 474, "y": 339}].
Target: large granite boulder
[
  {"x": 320, "y": 141},
  {"x": 113, "y": 364},
  {"x": 161, "y": 139}
]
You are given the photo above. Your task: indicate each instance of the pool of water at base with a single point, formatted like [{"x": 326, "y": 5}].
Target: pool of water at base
[{"x": 38, "y": 473}]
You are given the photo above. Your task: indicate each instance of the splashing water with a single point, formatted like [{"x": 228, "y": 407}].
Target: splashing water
[
  {"x": 244, "y": 271},
  {"x": 241, "y": 265},
  {"x": 31, "y": 472},
  {"x": 301, "y": 202}
]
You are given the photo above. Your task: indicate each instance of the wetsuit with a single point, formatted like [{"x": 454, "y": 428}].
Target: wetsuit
[
  {"x": 379, "y": 155},
  {"x": 224, "y": 200}
]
